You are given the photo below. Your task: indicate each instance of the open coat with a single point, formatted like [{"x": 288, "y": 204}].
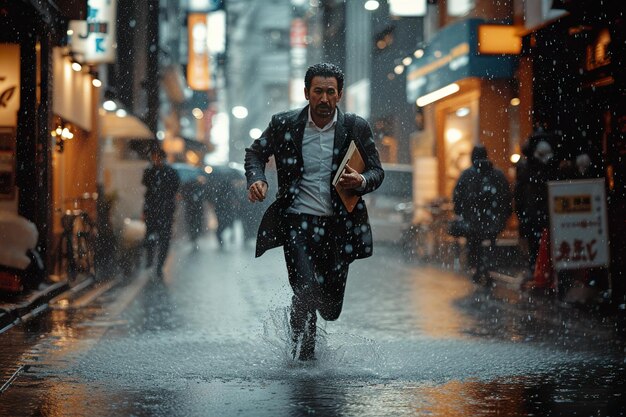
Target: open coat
[{"x": 283, "y": 140}]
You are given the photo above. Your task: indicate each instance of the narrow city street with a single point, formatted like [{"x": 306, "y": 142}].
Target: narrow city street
[{"x": 212, "y": 340}]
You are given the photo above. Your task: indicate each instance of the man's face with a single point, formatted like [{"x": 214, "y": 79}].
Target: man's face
[{"x": 323, "y": 97}]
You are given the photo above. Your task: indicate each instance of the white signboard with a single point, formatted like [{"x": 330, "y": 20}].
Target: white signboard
[
  {"x": 9, "y": 83},
  {"x": 357, "y": 98},
  {"x": 94, "y": 40},
  {"x": 578, "y": 234},
  {"x": 539, "y": 12}
]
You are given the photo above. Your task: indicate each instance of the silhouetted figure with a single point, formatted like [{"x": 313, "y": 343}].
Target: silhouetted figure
[
  {"x": 194, "y": 195},
  {"x": 531, "y": 196},
  {"x": 226, "y": 201},
  {"x": 161, "y": 182},
  {"x": 482, "y": 198}
]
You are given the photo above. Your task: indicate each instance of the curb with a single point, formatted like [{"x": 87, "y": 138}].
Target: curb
[
  {"x": 11, "y": 314},
  {"x": 39, "y": 301}
]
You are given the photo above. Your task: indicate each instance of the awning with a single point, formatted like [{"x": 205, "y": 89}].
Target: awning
[{"x": 129, "y": 127}]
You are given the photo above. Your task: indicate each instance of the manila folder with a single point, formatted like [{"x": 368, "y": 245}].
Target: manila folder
[{"x": 354, "y": 159}]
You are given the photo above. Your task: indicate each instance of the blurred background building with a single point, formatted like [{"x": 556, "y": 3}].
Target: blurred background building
[{"x": 99, "y": 82}]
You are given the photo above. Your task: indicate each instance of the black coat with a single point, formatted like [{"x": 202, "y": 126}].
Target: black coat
[
  {"x": 482, "y": 197},
  {"x": 161, "y": 188},
  {"x": 531, "y": 196},
  {"x": 283, "y": 139}
]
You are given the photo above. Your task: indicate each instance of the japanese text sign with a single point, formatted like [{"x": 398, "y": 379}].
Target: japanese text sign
[
  {"x": 9, "y": 83},
  {"x": 578, "y": 233},
  {"x": 94, "y": 39},
  {"x": 198, "y": 71}
]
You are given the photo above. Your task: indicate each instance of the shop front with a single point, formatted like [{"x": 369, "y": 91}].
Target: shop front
[
  {"x": 30, "y": 30},
  {"x": 464, "y": 85}
]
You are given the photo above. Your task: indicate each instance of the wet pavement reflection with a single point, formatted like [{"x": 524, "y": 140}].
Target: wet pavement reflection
[{"x": 211, "y": 339}]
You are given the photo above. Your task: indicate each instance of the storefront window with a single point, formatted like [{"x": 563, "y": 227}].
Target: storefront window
[{"x": 458, "y": 139}]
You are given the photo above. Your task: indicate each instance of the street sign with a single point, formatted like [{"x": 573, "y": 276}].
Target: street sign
[
  {"x": 93, "y": 40},
  {"x": 578, "y": 224}
]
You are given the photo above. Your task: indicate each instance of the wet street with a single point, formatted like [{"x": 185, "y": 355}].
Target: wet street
[{"x": 211, "y": 340}]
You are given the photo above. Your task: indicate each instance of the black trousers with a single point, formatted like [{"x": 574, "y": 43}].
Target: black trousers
[
  {"x": 158, "y": 234},
  {"x": 477, "y": 255},
  {"x": 316, "y": 274}
]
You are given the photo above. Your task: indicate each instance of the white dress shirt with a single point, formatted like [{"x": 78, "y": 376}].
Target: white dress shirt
[{"x": 317, "y": 153}]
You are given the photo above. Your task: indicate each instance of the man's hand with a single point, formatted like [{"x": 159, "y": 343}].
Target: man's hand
[
  {"x": 257, "y": 191},
  {"x": 350, "y": 179}
]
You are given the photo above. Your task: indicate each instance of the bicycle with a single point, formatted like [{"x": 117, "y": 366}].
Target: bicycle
[
  {"x": 429, "y": 242},
  {"x": 75, "y": 252}
]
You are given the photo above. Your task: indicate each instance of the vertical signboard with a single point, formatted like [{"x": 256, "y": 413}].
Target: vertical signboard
[
  {"x": 297, "y": 53},
  {"x": 9, "y": 106},
  {"x": 198, "y": 73},
  {"x": 93, "y": 40},
  {"x": 579, "y": 235}
]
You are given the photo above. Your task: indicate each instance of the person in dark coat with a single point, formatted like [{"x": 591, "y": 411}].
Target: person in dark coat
[
  {"x": 194, "y": 195},
  {"x": 531, "y": 196},
  {"x": 482, "y": 198},
  {"x": 320, "y": 238},
  {"x": 161, "y": 182}
]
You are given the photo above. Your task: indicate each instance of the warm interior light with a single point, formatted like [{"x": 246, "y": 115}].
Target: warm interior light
[
  {"x": 197, "y": 113},
  {"x": 371, "y": 5},
  {"x": 192, "y": 157},
  {"x": 453, "y": 135},
  {"x": 462, "y": 112},
  {"x": 438, "y": 94},
  {"x": 208, "y": 169},
  {"x": 76, "y": 66},
  {"x": 96, "y": 83},
  {"x": 66, "y": 134},
  {"x": 515, "y": 101},
  {"x": 515, "y": 158},
  {"x": 109, "y": 105}
]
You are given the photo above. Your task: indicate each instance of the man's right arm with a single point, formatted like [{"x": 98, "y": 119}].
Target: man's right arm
[{"x": 257, "y": 156}]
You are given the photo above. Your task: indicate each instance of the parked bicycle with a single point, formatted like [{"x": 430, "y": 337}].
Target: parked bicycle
[
  {"x": 428, "y": 241},
  {"x": 76, "y": 247}
]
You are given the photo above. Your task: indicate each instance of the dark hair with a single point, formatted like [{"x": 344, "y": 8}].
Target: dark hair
[
  {"x": 158, "y": 152},
  {"x": 479, "y": 153},
  {"x": 326, "y": 70}
]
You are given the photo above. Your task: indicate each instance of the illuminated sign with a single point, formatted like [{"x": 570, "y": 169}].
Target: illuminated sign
[
  {"x": 451, "y": 56},
  {"x": 93, "y": 40},
  {"x": 499, "y": 39},
  {"x": 572, "y": 204},
  {"x": 298, "y": 54},
  {"x": 198, "y": 72},
  {"x": 578, "y": 224},
  {"x": 406, "y": 8},
  {"x": 9, "y": 83}
]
